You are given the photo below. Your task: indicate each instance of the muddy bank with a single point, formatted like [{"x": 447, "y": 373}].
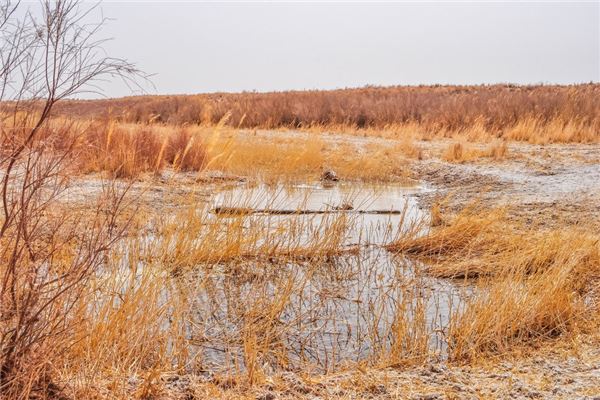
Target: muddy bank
[
  {"x": 552, "y": 374},
  {"x": 553, "y": 186}
]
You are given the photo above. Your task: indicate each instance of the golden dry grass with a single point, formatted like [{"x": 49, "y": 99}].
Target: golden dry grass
[
  {"x": 127, "y": 151},
  {"x": 519, "y": 311},
  {"x": 532, "y": 283},
  {"x": 461, "y": 152},
  {"x": 528, "y": 293},
  {"x": 133, "y": 150},
  {"x": 478, "y": 241},
  {"x": 301, "y": 159},
  {"x": 141, "y": 315}
]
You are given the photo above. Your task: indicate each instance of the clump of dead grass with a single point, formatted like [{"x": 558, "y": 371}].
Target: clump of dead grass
[
  {"x": 555, "y": 130},
  {"x": 194, "y": 236},
  {"x": 542, "y": 294},
  {"x": 532, "y": 282},
  {"x": 273, "y": 158},
  {"x": 478, "y": 241},
  {"x": 132, "y": 150},
  {"x": 461, "y": 152},
  {"x": 470, "y": 230},
  {"x": 128, "y": 150},
  {"x": 518, "y": 310},
  {"x": 497, "y": 151}
]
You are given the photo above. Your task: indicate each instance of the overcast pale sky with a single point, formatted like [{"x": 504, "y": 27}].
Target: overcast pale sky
[{"x": 194, "y": 47}]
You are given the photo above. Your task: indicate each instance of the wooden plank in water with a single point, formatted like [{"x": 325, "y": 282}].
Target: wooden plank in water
[{"x": 241, "y": 211}]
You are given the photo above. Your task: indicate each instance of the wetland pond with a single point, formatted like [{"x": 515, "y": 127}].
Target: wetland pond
[{"x": 336, "y": 297}]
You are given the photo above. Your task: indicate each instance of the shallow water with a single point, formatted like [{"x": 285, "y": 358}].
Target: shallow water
[
  {"x": 355, "y": 308},
  {"x": 372, "y": 228},
  {"x": 321, "y": 313}
]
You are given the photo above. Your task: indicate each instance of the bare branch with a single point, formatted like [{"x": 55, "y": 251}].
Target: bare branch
[{"x": 45, "y": 59}]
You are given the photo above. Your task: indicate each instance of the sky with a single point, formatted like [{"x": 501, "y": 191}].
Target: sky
[{"x": 194, "y": 47}]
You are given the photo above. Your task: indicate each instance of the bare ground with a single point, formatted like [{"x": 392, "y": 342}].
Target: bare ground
[{"x": 552, "y": 185}]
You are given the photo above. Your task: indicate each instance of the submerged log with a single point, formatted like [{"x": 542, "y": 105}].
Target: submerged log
[{"x": 241, "y": 211}]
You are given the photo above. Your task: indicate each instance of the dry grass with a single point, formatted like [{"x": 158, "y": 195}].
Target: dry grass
[
  {"x": 478, "y": 242},
  {"x": 301, "y": 159},
  {"x": 192, "y": 267},
  {"x": 194, "y": 236},
  {"x": 519, "y": 311},
  {"x": 127, "y": 151},
  {"x": 461, "y": 152},
  {"x": 133, "y": 150},
  {"x": 529, "y": 290},
  {"x": 498, "y": 151},
  {"x": 165, "y": 301},
  {"x": 537, "y": 114},
  {"x": 467, "y": 232},
  {"x": 540, "y": 292},
  {"x": 556, "y": 130}
]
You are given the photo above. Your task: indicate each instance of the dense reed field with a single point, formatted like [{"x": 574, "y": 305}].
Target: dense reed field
[{"x": 525, "y": 113}]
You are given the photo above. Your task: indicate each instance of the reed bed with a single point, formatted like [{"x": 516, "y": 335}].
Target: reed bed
[
  {"x": 241, "y": 299},
  {"x": 182, "y": 292},
  {"x": 537, "y": 114},
  {"x": 518, "y": 312},
  {"x": 479, "y": 242},
  {"x": 313, "y": 307}
]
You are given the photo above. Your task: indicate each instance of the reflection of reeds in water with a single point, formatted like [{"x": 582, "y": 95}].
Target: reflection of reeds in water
[
  {"x": 256, "y": 294},
  {"x": 320, "y": 316}
]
